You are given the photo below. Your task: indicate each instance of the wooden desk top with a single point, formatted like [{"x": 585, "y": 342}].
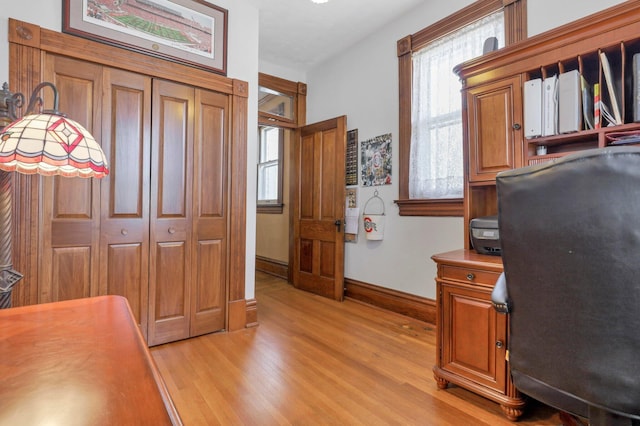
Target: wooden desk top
[
  {"x": 79, "y": 362},
  {"x": 469, "y": 258}
]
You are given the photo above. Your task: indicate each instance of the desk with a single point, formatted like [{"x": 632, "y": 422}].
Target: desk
[
  {"x": 472, "y": 338},
  {"x": 79, "y": 362}
]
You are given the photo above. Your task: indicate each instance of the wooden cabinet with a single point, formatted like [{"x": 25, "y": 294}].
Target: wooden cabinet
[
  {"x": 494, "y": 117},
  {"x": 472, "y": 337},
  {"x": 155, "y": 230}
]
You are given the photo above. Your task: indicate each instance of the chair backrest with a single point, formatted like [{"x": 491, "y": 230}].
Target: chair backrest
[{"x": 570, "y": 237}]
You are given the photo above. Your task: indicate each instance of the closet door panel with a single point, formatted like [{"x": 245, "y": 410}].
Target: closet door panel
[
  {"x": 124, "y": 243},
  {"x": 70, "y": 217},
  {"x": 170, "y": 212},
  {"x": 71, "y": 269},
  {"x": 208, "y": 307}
]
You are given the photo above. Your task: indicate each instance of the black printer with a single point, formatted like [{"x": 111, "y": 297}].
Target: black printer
[{"x": 485, "y": 236}]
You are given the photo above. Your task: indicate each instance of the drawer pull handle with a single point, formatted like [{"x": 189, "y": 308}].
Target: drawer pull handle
[
  {"x": 499, "y": 344},
  {"x": 470, "y": 276},
  {"x": 171, "y": 230},
  {"x": 124, "y": 231}
]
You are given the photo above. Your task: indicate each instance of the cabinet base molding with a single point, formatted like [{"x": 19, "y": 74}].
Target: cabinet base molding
[
  {"x": 272, "y": 267},
  {"x": 417, "y": 307},
  {"x": 512, "y": 404}
]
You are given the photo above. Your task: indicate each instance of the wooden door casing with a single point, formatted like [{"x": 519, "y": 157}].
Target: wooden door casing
[
  {"x": 170, "y": 212},
  {"x": 210, "y": 244},
  {"x": 319, "y": 179},
  {"x": 124, "y": 227},
  {"x": 70, "y": 217}
]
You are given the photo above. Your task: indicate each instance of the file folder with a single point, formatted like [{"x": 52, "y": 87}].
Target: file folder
[
  {"x": 597, "y": 120},
  {"x": 587, "y": 103},
  {"x": 636, "y": 86},
  {"x": 569, "y": 104},
  {"x": 611, "y": 87},
  {"x": 533, "y": 108},
  {"x": 550, "y": 106}
]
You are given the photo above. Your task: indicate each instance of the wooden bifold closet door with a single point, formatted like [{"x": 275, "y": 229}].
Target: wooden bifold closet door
[{"x": 154, "y": 230}]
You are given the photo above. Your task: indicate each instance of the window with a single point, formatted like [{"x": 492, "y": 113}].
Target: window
[
  {"x": 431, "y": 160},
  {"x": 271, "y": 140},
  {"x": 435, "y": 163},
  {"x": 281, "y": 109}
]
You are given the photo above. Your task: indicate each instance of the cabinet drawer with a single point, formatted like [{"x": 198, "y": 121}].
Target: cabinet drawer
[{"x": 469, "y": 275}]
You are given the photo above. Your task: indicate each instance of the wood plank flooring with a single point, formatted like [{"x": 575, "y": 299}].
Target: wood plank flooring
[{"x": 314, "y": 361}]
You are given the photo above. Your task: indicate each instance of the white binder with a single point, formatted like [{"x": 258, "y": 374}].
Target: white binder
[
  {"x": 533, "y": 108},
  {"x": 550, "y": 106},
  {"x": 569, "y": 104}
]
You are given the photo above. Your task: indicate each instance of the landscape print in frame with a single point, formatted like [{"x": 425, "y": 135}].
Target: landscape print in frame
[{"x": 192, "y": 32}]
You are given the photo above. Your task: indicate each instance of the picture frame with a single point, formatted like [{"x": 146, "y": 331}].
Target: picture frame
[
  {"x": 191, "y": 32},
  {"x": 376, "y": 160},
  {"x": 351, "y": 177}
]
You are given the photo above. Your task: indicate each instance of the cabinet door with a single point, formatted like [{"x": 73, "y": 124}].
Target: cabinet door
[
  {"x": 208, "y": 264},
  {"x": 124, "y": 229},
  {"x": 70, "y": 218},
  {"x": 473, "y": 335},
  {"x": 170, "y": 212},
  {"x": 494, "y": 119}
]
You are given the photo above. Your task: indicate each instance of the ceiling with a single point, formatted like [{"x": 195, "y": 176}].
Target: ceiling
[{"x": 299, "y": 34}]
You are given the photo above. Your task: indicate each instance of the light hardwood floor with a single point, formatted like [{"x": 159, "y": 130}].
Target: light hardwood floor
[{"x": 316, "y": 361}]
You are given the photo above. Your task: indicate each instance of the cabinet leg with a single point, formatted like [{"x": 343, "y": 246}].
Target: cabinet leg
[
  {"x": 512, "y": 413},
  {"x": 442, "y": 383}
]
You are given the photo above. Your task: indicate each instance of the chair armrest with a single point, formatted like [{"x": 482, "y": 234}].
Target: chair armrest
[{"x": 500, "y": 296}]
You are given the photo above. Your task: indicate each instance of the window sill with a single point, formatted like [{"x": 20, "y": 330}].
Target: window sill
[
  {"x": 442, "y": 207},
  {"x": 270, "y": 208}
]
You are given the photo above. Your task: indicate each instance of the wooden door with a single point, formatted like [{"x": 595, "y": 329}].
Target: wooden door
[
  {"x": 170, "y": 212},
  {"x": 70, "y": 219},
  {"x": 124, "y": 228},
  {"x": 494, "y": 126},
  {"x": 318, "y": 176},
  {"x": 210, "y": 246}
]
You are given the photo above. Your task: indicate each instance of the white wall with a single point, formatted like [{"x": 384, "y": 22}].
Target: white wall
[
  {"x": 282, "y": 72},
  {"x": 541, "y": 20},
  {"x": 242, "y": 63},
  {"x": 362, "y": 83}
]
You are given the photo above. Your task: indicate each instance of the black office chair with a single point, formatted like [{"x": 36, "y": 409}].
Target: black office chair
[{"x": 570, "y": 239}]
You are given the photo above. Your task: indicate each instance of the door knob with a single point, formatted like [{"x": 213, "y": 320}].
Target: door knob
[
  {"x": 171, "y": 230},
  {"x": 337, "y": 223}
]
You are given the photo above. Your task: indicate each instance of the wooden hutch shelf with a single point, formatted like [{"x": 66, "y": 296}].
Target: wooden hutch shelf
[{"x": 472, "y": 337}]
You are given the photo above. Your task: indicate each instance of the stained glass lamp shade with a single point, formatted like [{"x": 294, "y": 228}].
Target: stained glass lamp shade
[{"x": 50, "y": 144}]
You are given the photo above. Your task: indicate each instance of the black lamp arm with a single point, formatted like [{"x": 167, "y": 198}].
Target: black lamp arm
[{"x": 36, "y": 101}]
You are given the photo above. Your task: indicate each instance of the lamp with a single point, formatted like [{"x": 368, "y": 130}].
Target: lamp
[{"x": 47, "y": 143}]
